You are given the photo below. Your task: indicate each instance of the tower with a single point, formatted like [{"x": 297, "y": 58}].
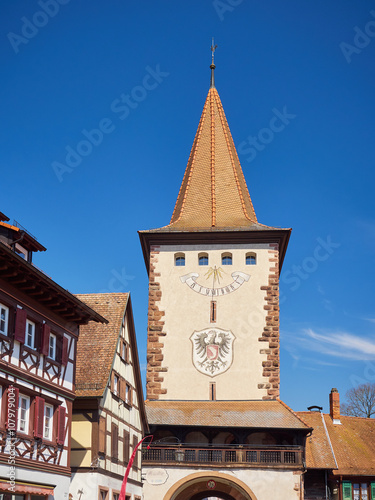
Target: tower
[
  {"x": 213, "y": 330},
  {"x": 213, "y": 379}
]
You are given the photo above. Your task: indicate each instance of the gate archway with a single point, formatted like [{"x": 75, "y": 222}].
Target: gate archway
[{"x": 209, "y": 484}]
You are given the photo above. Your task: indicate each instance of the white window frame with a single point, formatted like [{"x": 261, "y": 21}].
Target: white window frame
[
  {"x": 23, "y": 414},
  {"x": 48, "y": 422},
  {"x": 32, "y": 325},
  {"x": 4, "y": 322},
  {"x": 52, "y": 346},
  {"x": 128, "y": 391},
  {"x": 116, "y": 384}
]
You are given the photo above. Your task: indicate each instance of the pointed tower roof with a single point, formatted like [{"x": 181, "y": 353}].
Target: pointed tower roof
[{"x": 213, "y": 192}]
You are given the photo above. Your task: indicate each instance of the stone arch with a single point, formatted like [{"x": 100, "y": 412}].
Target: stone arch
[{"x": 195, "y": 487}]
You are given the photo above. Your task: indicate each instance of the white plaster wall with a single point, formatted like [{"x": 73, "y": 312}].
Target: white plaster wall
[
  {"x": 266, "y": 484},
  {"x": 62, "y": 483},
  {"x": 187, "y": 311},
  {"x": 90, "y": 482}
]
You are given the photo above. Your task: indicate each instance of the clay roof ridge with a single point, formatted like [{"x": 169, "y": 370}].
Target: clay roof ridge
[
  {"x": 293, "y": 412},
  {"x": 329, "y": 440},
  {"x": 223, "y": 120},
  {"x": 213, "y": 192}
]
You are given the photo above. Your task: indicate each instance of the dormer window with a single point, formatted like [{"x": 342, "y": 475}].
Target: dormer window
[
  {"x": 251, "y": 259},
  {"x": 203, "y": 259},
  {"x": 179, "y": 259},
  {"x": 226, "y": 259}
]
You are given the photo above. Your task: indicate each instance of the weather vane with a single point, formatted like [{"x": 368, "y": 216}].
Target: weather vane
[{"x": 213, "y": 48}]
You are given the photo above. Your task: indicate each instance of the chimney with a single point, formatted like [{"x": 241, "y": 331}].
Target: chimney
[{"x": 334, "y": 406}]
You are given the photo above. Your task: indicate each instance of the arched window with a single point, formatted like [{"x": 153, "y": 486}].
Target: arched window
[
  {"x": 179, "y": 259},
  {"x": 203, "y": 259},
  {"x": 226, "y": 259},
  {"x": 251, "y": 259}
]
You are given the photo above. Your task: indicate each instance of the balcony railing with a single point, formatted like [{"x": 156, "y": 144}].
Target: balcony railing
[{"x": 275, "y": 456}]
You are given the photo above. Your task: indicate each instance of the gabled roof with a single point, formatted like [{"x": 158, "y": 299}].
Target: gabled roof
[
  {"x": 97, "y": 342},
  {"x": 352, "y": 442},
  {"x": 272, "y": 414}
]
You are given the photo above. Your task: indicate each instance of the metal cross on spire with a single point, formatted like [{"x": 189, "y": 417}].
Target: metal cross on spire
[{"x": 213, "y": 48}]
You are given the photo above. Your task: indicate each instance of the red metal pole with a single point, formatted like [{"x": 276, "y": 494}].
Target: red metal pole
[{"x": 123, "y": 487}]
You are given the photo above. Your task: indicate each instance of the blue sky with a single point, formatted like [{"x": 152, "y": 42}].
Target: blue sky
[{"x": 68, "y": 69}]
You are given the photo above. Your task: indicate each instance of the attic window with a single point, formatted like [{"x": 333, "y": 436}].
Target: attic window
[
  {"x": 179, "y": 259},
  {"x": 251, "y": 259},
  {"x": 203, "y": 259},
  {"x": 226, "y": 259}
]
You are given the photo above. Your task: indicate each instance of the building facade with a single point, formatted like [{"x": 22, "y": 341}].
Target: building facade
[
  {"x": 213, "y": 362},
  {"x": 39, "y": 328},
  {"x": 108, "y": 414}
]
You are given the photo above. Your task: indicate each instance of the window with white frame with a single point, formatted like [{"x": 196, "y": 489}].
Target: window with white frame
[
  {"x": 4, "y": 319},
  {"x": 47, "y": 424},
  {"x": 30, "y": 334},
  {"x": 52, "y": 346},
  {"x": 23, "y": 413},
  {"x": 128, "y": 394},
  {"x": 115, "y": 385}
]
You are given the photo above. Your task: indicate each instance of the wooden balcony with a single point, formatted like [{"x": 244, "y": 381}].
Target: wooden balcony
[{"x": 225, "y": 456}]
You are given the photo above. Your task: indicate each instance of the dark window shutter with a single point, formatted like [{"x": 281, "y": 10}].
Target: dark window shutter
[
  {"x": 12, "y": 409},
  {"x": 130, "y": 396},
  {"x": 102, "y": 431},
  {"x": 45, "y": 339},
  {"x": 127, "y": 353},
  {"x": 122, "y": 388},
  {"x": 61, "y": 425},
  {"x": 38, "y": 417},
  {"x": 126, "y": 447},
  {"x": 135, "y": 443},
  {"x": 114, "y": 441},
  {"x": 346, "y": 490},
  {"x": 64, "y": 356},
  {"x": 20, "y": 327}
]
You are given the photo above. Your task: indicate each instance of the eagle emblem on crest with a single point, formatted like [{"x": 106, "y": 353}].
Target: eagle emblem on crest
[{"x": 212, "y": 351}]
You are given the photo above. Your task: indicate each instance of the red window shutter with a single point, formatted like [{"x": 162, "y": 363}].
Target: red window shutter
[
  {"x": 127, "y": 353},
  {"x": 114, "y": 442},
  {"x": 61, "y": 425},
  {"x": 12, "y": 409},
  {"x": 39, "y": 417},
  {"x": 64, "y": 356},
  {"x": 20, "y": 327},
  {"x": 45, "y": 339}
]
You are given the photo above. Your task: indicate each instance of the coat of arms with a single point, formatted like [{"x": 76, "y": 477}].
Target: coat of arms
[{"x": 212, "y": 351}]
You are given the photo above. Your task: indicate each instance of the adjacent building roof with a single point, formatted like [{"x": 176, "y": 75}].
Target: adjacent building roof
[
  {"x": 348, "y": 448},
  {"x": 97, "y": 342},
  {"x": 37, "y": 285},
  {"x": 258, "y": 414}
]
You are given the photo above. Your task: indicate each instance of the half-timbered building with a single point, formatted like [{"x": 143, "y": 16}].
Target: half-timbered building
[
  {"x": 108, "y": 414},
  {"x": 39, "y": 327}
]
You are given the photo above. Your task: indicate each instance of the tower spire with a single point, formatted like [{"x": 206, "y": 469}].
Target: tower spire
[{"x": 213, "y": 48}]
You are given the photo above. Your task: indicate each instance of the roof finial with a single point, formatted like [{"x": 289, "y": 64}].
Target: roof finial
[{"x": 213, "y": 48}]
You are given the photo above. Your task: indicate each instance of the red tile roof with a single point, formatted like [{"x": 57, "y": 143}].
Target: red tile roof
[
  {"x": 260, "y": 414},
  {"x": 352, "y": 441},
  {"x": 97, "y": 342}
]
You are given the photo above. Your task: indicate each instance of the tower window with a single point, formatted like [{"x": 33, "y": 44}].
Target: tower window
[
  {"x": 251, "y": 259},
  {"x": 226, "y": 259},
  {"x": 179, "y": 259},
  {"x": 203, "y": 259}
]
